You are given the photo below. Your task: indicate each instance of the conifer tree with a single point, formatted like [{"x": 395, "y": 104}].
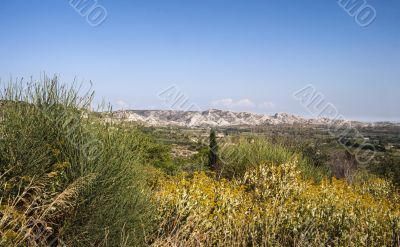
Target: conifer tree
[{"x": 213, "y": 151}]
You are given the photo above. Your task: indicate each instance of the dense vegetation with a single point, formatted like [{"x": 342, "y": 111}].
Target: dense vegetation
[
  {"x": 72, "y": 177},
  {"x": 66, "y": 178}
]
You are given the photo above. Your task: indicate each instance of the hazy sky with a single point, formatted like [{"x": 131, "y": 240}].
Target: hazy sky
[{"x": 243, "y": 55}]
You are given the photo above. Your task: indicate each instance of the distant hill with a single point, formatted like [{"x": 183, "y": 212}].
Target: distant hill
[{"x": 217, "y": 118}]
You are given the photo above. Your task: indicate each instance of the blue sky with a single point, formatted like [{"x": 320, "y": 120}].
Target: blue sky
[{"x": 246, "y": 55}]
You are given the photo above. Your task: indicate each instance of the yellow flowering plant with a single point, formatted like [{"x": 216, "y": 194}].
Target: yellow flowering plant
[{"x": 273, "y": 205}]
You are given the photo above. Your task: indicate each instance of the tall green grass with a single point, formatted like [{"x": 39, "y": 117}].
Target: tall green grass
[
  {"x": 67, "y": 178},
  {"x": 246, "y": 153}
]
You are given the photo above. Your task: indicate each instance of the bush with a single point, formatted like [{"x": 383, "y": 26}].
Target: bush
[
  {"x": 43, "y": 162},
  {"x": 67, "y": 178},
  {"x": 238, "y": 156},
  {"x": 274, "y": 206},
  {"x": 116, "y": 210}
]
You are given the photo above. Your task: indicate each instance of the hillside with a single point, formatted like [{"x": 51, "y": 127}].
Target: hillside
[{"x": 216, "y": 118}]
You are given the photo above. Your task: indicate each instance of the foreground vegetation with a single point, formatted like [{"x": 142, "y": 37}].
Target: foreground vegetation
[
  {"x": 67, "y": 179},
  {"x": 273, "y": 206},
  {"x": 70, "y": 177}
]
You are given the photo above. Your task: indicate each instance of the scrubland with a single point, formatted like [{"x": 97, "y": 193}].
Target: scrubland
[{"x": 73, "y": 177}]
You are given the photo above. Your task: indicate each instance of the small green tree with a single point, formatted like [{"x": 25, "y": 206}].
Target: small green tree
[{"x": 213, "y": 151}]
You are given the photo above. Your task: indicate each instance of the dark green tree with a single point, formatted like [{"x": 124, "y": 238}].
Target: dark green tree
[{"x": 213, "y": 151}]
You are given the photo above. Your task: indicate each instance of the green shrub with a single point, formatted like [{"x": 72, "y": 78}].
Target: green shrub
[
  {"x": 240, "y": 155},
  {"x": 65, "y": 176},
  {"x": 116, "y": 210}
]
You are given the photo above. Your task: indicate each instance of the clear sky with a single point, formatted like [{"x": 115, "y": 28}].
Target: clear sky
[{"x": 245, "y": 55}]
